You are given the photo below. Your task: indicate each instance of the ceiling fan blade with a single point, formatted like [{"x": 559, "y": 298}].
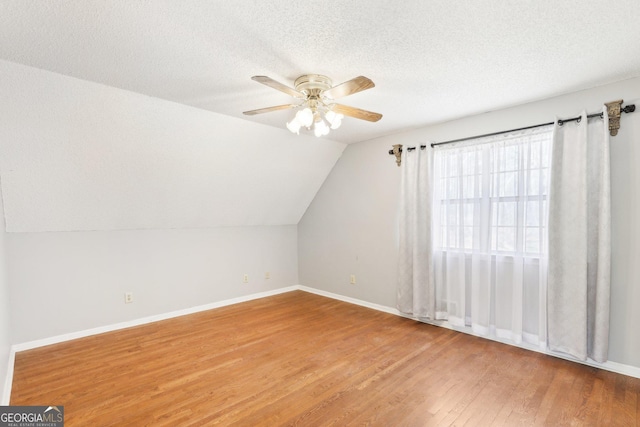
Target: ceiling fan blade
[
  {"x": 279, "y": 86},
  {"x": 350, "y": 87},
  {"x": 356, "y": 113},
  {"x": 269, "y": 109}
]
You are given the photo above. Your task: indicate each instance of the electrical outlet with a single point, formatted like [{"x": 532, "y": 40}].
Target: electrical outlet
[
  {"x": 245, "y": 278},
  {"x": 267, "y": 275},
  {"x": 352, "y": 279},
  {"x": 128, "y": 297}
]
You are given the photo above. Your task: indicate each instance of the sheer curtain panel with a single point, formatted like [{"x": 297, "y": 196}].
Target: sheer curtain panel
[
  {"x": 416, "y": 293},
  {"x": 490, "y": 200},
  {"x": 580, "y": 239}
]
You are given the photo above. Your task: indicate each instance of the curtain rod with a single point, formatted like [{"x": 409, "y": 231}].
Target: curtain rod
[
  {"x": 560, "y": 123},
  {"x": 628, "y": 109}
]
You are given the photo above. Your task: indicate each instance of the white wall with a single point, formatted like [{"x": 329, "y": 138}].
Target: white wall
[
  {"x": 351, "y": 226},
  {"x": 71, "y": 281},
  {"x": 107, "y": 191},
  {"x": 5, "y": 338}
]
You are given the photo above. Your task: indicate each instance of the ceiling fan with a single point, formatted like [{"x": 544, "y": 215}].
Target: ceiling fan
[{"x": 317, "y": 109}]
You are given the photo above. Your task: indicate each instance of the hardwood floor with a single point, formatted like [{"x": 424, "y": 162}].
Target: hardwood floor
[{"x": 302, "y": 359}]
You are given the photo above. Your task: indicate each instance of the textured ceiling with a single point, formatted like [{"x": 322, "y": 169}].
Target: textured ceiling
[{"x": 431, "y": 61}]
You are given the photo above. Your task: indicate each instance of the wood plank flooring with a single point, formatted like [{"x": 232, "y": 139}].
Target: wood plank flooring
[{"x": 302, "y": 359}]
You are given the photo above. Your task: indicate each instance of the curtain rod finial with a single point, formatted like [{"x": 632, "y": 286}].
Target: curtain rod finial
[
  {"x": 397, "y": 151},
  {"x": 613, "y": 111}
]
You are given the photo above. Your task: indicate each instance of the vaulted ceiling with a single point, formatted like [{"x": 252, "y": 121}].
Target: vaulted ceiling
[{"x": 431, "y": 61}]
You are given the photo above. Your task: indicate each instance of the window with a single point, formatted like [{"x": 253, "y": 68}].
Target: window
[{"x": 490, "y": 197}]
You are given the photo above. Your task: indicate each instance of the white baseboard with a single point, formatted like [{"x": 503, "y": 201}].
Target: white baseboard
[
  {"x": 150, "y": 319},
  {"x": 8, "y": 381},
  {"x": 351, "y": 300},
  {"x": 619, "y": 368}
]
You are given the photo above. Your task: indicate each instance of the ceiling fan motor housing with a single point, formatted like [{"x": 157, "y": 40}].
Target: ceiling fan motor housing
[{"x": 312, "y": 84}]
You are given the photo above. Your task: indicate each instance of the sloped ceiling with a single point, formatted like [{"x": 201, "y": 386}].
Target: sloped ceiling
[
  {"x": 431, "y": 61},
  {"x": 77, "y": 155}
]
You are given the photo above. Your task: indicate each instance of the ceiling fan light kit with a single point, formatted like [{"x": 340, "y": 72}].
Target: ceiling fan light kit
[{"x": 317, "y": 111}]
